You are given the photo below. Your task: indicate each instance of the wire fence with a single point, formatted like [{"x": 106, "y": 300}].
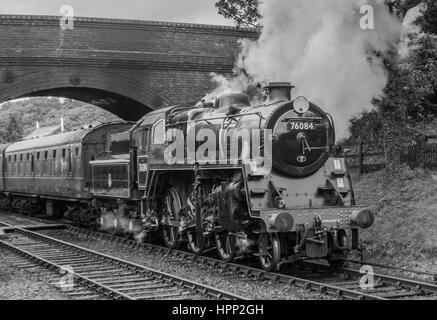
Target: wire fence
[{"x": 368, "y": 155}]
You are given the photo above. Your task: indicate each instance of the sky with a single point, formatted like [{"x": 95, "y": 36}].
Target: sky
[{"x": 191, "y": 11}]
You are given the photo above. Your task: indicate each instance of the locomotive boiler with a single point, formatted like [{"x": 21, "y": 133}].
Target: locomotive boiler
[
  {"x": 202, "y": 180},
  {"x": 247, "y": 178}
]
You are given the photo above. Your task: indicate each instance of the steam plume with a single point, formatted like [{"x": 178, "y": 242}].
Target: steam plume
[{"x": 320, "y": 47}]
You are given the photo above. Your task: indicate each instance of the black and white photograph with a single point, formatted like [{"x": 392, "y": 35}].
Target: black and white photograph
[{"x": 212, "y": 157}]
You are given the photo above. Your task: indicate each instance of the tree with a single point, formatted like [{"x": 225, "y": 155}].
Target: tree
[
  {"x": 411, "y": 91},
  {"x": 429, "y": 19},
  {"x": 13, "y": 131},
  {"x": 400, "y": 7},
  {"x": 410, "y": 96},
  {"x": 243, "y": 12},
  {"x": 367, "y": 126}
]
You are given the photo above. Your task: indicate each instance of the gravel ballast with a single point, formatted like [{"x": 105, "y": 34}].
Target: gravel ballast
[
  {"x": 248, "y": 288},
  {"x": 25, "y": 284}
]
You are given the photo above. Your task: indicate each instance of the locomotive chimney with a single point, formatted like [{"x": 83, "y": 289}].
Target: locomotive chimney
[{"x": 279, "y": 91}]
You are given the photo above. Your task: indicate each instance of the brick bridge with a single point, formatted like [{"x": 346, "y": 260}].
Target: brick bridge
[{"x": 126, "y": 67}]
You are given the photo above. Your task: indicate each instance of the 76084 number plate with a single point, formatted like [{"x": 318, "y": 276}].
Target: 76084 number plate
[{"x": 301, "y": 126}]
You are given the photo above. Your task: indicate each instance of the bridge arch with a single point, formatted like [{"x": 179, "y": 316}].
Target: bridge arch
[{"x": 126, "y": 97}]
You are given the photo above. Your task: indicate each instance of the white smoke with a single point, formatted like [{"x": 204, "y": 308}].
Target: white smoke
[{"x": 320, "y": 47}]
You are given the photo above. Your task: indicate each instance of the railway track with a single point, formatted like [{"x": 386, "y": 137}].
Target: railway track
[
  {"x": 52, "y": 277},
  {"x": 382, "y": 285},
  {"x": 340, "y": 283},
  {"x": 107, "y": 276},
  {"x": 432, "y": 276}
]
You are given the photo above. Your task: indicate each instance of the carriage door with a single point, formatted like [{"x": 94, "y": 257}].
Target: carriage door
[
  {"x": 143, "y": 148},
  {"x": 32, "y": 165},
  {"x": 70, "y": 161}
]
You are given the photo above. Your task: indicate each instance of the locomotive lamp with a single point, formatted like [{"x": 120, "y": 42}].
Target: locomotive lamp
[
  {"x": 282, "y": 222},
  {"x": 301, "y": 105},
  {"x": 362, "y": 218}
]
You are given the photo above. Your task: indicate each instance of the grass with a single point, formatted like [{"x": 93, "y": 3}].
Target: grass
[{"x": 405, "y": 228}]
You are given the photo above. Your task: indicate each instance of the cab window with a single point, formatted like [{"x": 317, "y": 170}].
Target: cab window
[
  {"x": 143, "y": 140},
  {"x": 159, "y": 132}
]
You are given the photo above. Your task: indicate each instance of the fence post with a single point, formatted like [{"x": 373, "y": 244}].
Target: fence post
[
  {"x": 361, "y": 156},
  {"x": 421, "y": 142}
]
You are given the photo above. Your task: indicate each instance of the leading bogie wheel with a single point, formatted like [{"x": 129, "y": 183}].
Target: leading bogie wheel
[
  {"x": 226, "y": 244},
  {"x": 172, "y": 206},
  {"x": 170, "y": 236},
  {"x": 196, "y": 242},
  {"x": 269, "y": 250}
]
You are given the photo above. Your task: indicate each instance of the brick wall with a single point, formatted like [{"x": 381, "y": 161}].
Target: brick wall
[{"x": 151, "y": 64}]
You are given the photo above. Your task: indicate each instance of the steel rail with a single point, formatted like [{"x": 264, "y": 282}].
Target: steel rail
[
  {"x": 108, "y": 290},
  {"x": 400, "y": 282},
  {"x": 383, "y": 266},
  {"x": 51, "y": 265},
  {"x": 420, "y": 287},
  {"x": 259, "y": 274}
]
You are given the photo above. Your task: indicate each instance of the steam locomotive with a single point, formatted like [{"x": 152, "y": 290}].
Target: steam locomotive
[{"x": 249, "y": 179}]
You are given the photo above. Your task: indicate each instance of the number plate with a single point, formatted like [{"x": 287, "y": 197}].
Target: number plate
[{"x": 301, "y": 126}]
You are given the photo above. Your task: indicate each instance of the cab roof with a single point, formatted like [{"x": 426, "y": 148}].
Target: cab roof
[{"x": 153, "y": 116}]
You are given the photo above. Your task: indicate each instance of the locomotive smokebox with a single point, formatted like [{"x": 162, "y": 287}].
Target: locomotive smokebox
[{"x": 279, "y": 91}]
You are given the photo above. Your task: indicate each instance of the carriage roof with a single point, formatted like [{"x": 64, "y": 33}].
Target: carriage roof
[{"x": 54, "y": 140}]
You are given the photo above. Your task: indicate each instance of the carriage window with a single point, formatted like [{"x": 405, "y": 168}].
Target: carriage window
[
  {"x": 21, "y": 157},
  {"x": 159, "y": 132},
  {"x": 46, "y": 154},
  {"x": 27, "y": 156},
  {"x": 63, "y": 153},
  {"x": 15, "y": 158},
  {"x": 38, "y": 155},
  {"x": 144, "y": 139},
  {"x": 76, "y": 151},
  {"x": 9, "y": 158},
  {"x": 54, "y": 154}
]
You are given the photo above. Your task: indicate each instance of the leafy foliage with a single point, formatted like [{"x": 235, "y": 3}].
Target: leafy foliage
[
  {"x": 243, "y": 12},
  {"x": 18, "y": 118},
  {"x": 411, "y": 92},
  {"x": 367, "y": 125},
  {"x": 11, "y": 131},
  {"x": 429, "y": 19},
  {"x": 400, "y": 7}
]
